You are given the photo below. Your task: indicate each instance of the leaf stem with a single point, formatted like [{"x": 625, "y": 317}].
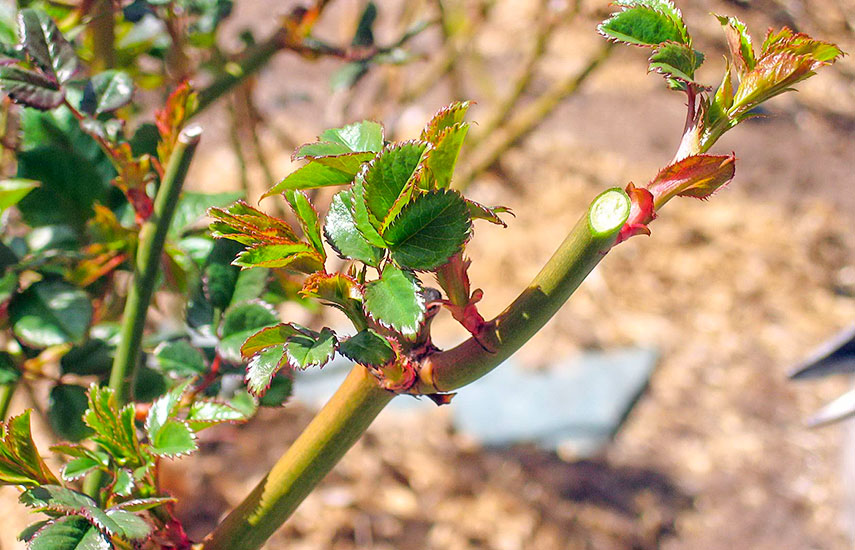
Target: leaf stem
[
  {"x": 147, "y": 265},
  {"x": 360, "y": 399}
]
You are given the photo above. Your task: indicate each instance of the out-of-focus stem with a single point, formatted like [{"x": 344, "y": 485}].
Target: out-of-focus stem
[
  {"x": 6, "y": 393},
  {"x": 102, "y": 29},
  {"x": 505, "y": 137},
  {"x": 147, "y": 264}
]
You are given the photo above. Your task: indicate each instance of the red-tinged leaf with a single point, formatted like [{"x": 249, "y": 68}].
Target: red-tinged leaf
[
  {"x": 247, "y": 225},
  {"x": 478, "y": 211},
  {"x": 641, "y": 213},
  {"x": 30, "y": 88},
  {"x": 180, "y": 106},
  {"x": 297, "y": 257},
  {"x": 697, "y": 176},
  {"x": 268, "y": 337},
  {"x": 442, "y": 159},
  {"x": 799, "y": 44},
  {"x": 20, "y": 461},
  {"x": 441, "y": 398},
  {"x": 739, "y": 42},
  {"x": 445, "y": 118},
  {"x": 337, "y": 290}
]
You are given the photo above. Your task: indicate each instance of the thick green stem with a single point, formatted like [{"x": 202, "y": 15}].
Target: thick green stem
[
  {"x": 6, "y": 393},
  {"x": 581, "y": 251},
  {"x": 359, "y": 399},
  {"x": 257, "y": 57},
  {"x": 147, "y": 265},
  {"x": 324, "y": 441}
]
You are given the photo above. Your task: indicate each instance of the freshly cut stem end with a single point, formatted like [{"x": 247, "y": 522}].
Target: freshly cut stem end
[{"x": 609, "y": 212}]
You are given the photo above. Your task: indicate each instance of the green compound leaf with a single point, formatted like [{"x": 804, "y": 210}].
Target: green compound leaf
[
  {"x": 30, "y": 88},
  {"x": 69, "y": 533},
  {"x": 297, "y": 257},
  {"x": 263, "y": 367},
  {"x": 646, "y": 23},
  {"x": 268, "y": 337},
  {"x": 443, "y": 157},
  {"x": 388, "y": 180},
  {"x": 308, "y": 217},
  {"x": 445, "y": 118},
  {"x": 106, "y": 92},
  {"x": 181, "y": 358},
  {"x": 50, "y": 313},
  {"x": 395, "y": 301},
  {"x": 46, "y": 46},
  {"x": 429, "y": 230},
  {"x": 20, "y": 462},
  {"x": 343, "y": 235},
  {"x": 13, "y": 190},
  {"x": 66, "y": 406},
  {"x": 677, "y": 61},
  {"x": 367, "y": 348},
  {"x": 305, "y": 351},
  {"x": 239, "y": 323}
]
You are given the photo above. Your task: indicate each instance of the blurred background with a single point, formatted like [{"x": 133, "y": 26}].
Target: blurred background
[{"x": 729, "y": 294}]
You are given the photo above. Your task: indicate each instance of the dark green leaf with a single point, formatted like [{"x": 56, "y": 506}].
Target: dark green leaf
[
  {"x": 429, "y": 230},
  {"x": 304, "y": 351},
  {"x": 9, "y": 373},
  {"x": 149, "y": 384},
  {"x": 50, "y": 313},
  {"x": 95, "y": 357},
  {"x": 239, "y": 323},
  {"x": 60, "y": 172},
  {"x": 342, "y": 234},
  {"x": 278, "y": 393},
  {"x": 30, "y": 88},
  {"x": 181, "y": 358},
  {"x": 367, "y": 348},
  {"x": 31, "y": 530},
  {"x": 105, "y": 92},
  {"x": 646, "y": 23},
  {"x": 386, "y": 179},
  {"x": 442, "y": 159},
  {"x": 46, "y": 45},
  {"x": 263, "y": 367},
  {"x": 65, "y": 412},
  {"x": 395, "y": 300},
  {"x": 250, "y": 284},
  {"x": 364, "y": 30},
  {"x": 13, "y": 190},
  {"x": 69, "y": 533}
]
